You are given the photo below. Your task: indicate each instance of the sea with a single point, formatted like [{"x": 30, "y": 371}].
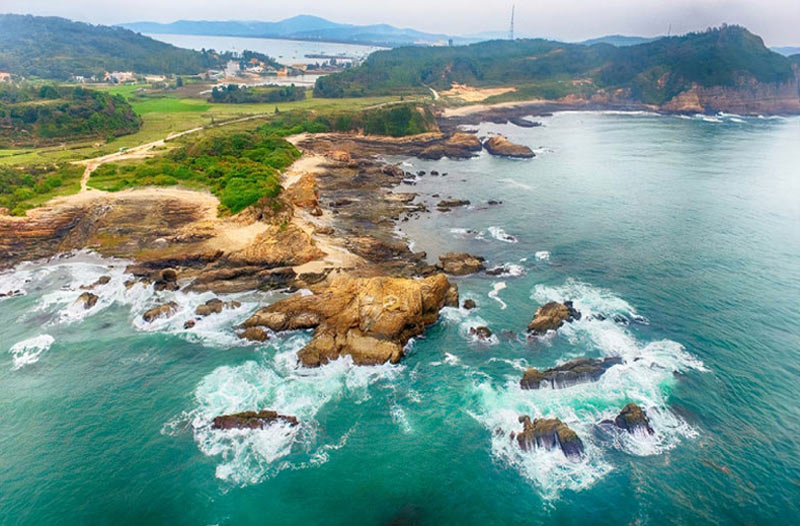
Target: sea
[{"x": 678, "y": 239}]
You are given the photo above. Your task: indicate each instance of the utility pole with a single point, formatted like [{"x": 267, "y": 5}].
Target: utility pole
[{"x": 511, "y": 29}]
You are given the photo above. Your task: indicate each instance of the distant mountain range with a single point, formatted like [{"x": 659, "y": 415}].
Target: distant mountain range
[
  {"x": 302, "y": 27},
  {"x": 787, "y": 51},
  {"x": 619, "y": 40}
]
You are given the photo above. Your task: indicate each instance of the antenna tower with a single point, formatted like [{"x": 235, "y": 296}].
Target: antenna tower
[{"x": 511, "y": 29}]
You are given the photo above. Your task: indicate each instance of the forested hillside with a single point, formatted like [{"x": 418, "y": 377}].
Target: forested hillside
[
  {"x": 653, "y": 72},
  {"x": 33, "y": 115},
  {"x": 57, "y": 48}
]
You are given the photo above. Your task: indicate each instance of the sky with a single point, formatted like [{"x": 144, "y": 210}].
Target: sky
[{"x": 777, "y": 21}]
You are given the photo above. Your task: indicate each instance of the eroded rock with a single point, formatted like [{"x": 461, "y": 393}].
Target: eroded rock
[
  {"x": 460, "y": 264},
  {"x": 551, "y": 316},
  {"x": 549, "y": 433},
  {"x": 252, "y": 420},
  {"x": 573, "y": 372},
  {"x": 369, "y": 319},
  {"x": 102, "y": 280},
  {"x": 87, "y": 299},
  {"x": 215, "y": 306},
  {"x": 162, "y": 311},
  {"x": 500, "y": 146},
  {"x": 633, "y": 417}
]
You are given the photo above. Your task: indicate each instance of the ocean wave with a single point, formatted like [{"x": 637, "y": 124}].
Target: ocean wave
[
  {"x": 501, "y": 235},
  {"x": 542, "y": 255},
  {"x": 496, "y": 288},
  {"x": 507, "y": 270},
  {"x": 28, "y": 351},
  {"x": 645, "y": 376},
  {"x": 515, "y": 184},
  {"x": 249, "y": 456}
]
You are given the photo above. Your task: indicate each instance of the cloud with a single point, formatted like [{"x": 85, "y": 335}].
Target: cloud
[{"x": 775, "y": 20}]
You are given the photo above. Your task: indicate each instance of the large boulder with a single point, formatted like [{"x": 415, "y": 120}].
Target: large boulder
[
  {"x": 252, "y": 420},
  {"x": 278, "y": 246},
  {"x": 502, "y": 147},
  {"x": 551, "y": 316},
  {"x": 460, "y": 264},
  {"x": 457, "y": 146},
  {"x": 304, "y": 192},
  {"x": 633, "y": 417},
  {"x": 573, "y": 372},
  {"x": 162, "y": 311},
  {"x": 87, "y": 299},
  {"x": 369, "y": 319},
  {"x": 549, "y": 433}
]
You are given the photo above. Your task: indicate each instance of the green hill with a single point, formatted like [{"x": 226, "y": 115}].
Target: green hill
[
  {"x": 35, "y": 116},
  {"x": 653, "y": 72},
  {"x": 50, "y": 47}
]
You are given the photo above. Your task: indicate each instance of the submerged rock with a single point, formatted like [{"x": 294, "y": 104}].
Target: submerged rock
[
  {"x": 633, "y": 417},
  {"x": 570, "y": 373},
  {"x": 482, "y": 332},
  {"x": 369, "y": 319},
  {"x": 87, "y": 299},
  {"x": 549, "y": 433},
  {"x": 551, "y": 316},
  {"x": 469, "y": 304},
  {"x": 162, "y": 311},
  {"x": 524, "y": 123},
  {"x": 102, "y": 280},
  {"x": 252, "y": 420},
  {"x": 446, "y": 204},
  {"x": 502, "y": 147},
  {"x": 255, "y": 334},
  {"x": 460, "y": 264}
]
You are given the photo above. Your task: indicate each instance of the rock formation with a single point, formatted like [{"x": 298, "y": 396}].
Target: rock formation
[
  {"x": 369, "y": 319},
  {"x": 215, "y": 306},
  {"x": 500, "y": 146},
  {"x": 87, "y": 299},
  {"x": 162, "y": 311},
  {"x": 573, "y": 372},
  {"x": 252, "y": 420},
  {"x": 549, "y": 433},
  {"x": 633, "y": 417},
  {"x": 460, "y": 264},
  {"x": 551, "y": 316}
]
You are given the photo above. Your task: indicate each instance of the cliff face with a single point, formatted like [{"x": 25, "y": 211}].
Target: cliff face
[{"x": 748, "y": 98}]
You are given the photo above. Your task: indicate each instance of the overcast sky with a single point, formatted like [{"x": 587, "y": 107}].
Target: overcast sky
[{"x": 777, "y": 21}]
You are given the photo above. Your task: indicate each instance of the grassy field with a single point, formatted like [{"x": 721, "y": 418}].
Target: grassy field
[{"x": 169, "y": 112}]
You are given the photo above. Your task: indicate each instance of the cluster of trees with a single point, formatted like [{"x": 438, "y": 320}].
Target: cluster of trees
[
  {"x": 396, "y": 120},
  {"x": 240, "y": 169},
  {"x": 232, "y": 93},
  {"x": 57, "y": 48},
  {"x": 32, "y": 115},
  {"x": 654, "y": 71},
  {"x": 20, "y": 187}
]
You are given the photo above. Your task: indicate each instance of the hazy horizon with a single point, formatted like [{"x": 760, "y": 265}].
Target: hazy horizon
[{"x": 776, "y": 21}]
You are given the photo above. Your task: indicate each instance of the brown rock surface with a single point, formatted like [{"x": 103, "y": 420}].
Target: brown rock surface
[
  {"x": 303, "y": 193},
  {"x": 278, "y": 246},
  {"x": 460, "y": 264},
  {"x": 252, "y": 420},
  {"x": 549, "y": 433},
  {"x": 369, "y": 319},
  {"x": 551, "y": 316},
  {"x": 499, "y": 145},
  {"x": 87, "y": 299},
  {"x": 162, "y": 311}
]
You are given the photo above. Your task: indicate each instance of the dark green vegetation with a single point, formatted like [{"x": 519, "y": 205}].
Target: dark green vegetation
[
  {"x": 653, "y": 72},
  {"x": 50, "y": 47},
  {"x": 24, "y": 188},
  {"x": 396, "y": 120},
  {"x": 239, "y": 169},
  {"x": 36, "y": 115},
  {"x": 236, "y": 95}
]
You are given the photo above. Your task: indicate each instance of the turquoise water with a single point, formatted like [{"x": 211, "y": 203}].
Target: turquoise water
[{"x": 688, "y": 228}]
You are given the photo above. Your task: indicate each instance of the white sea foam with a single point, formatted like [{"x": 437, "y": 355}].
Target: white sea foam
[
  {"x": 496, "y": 288},
  {"x": 249, "y": 456},
  {"x": 644, "y": 377},
  {"x": 510, "y": 270},
  {"x": 28, "y": 351},
  {"x": 542, "y": 255},
  {"x": 466, "y": 320},
  {"x": 501, "y": 235},
  {"x": 516, "y": 184}
]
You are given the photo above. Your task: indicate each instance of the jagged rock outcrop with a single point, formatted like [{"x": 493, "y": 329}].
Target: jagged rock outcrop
[
  {"x": 446, "y": 205},
  {"x": 278, "y": 246},
  {"x": 469, "y": 304},
  {"x": 162, "y": 311},
  {"x": 522, "y": 122},
  {"x": 481, "y": 332},
  {"x": 255, "y": 334},
  {"x": 460, "y": 263},
  {"x": 500, "y": 146},
  {"x": 549, "y": 433},
  {"x": 552, "y": 315},
  {"x": 633, "y": 417},
  {"x": 457, "y": 146},
  {"x": 304, "y": 192},
  {"x": 369, "y": 319},
  {"x": 571, "y": 373},
  {"x": 87, "y": 299},
  {"x": 215, "y": 306},
  {"x": 748, "y": 97},
  {"x": 252, "y": 420}
]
